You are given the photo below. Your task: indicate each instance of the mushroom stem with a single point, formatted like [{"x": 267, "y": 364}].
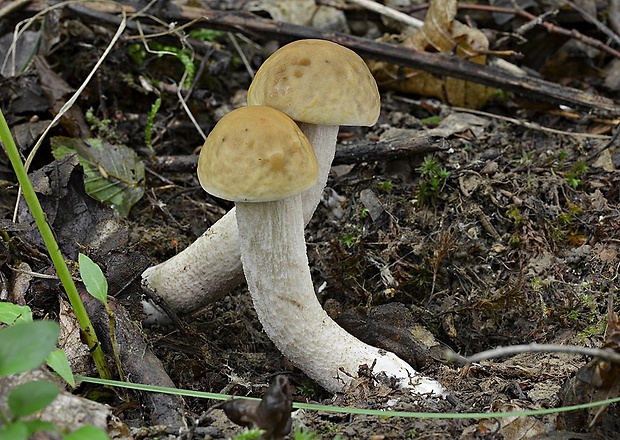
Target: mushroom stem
[
  {"x": 323, "y": 141},
  {"x": 183, "y": 282},
  {"x": 274, "y": 258}
]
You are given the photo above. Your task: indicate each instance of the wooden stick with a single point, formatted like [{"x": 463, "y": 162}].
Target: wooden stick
[
  {"x": 345, "y": 154},
  {"x": 528, "y": 87}
]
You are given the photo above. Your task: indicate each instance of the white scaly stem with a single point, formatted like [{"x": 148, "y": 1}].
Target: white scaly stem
[
  {"x": 211, "y": 267},
  {"x": 274, "y": 258}
]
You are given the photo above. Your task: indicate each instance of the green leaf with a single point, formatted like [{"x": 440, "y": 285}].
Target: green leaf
[
  {"x": 57, "y": 361},
  {"x": 93, "y": 278},
  {"x": 114, "y": 172},
  {"x": 25, "y": 346},
  {"x": 31, "y": 397},
  {"x": 12, "y": 313},
  {"x": 38, "y": 425},
  {"x": 14, "y": 431},
  {"x": 87, "y": 432}
]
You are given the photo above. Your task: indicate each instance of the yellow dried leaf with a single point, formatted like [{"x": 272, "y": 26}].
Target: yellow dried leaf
[{"x": 440, "y": 33}]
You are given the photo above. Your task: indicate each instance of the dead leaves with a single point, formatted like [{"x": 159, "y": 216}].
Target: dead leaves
[{"x": 440, "y": 33}]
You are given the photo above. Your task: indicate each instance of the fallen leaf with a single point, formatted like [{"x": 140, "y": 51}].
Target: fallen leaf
[
  {"x": 114, "y": 172},
  {"x": 440, "y": 33}
]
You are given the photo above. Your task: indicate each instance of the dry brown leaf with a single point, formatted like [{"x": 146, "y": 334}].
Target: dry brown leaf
[
  {"x": 440, "y": 33},
  {"x": 513, "y": 428}
]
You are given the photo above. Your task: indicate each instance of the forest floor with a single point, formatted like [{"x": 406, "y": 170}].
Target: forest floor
[{"x": 507, "y": 233}]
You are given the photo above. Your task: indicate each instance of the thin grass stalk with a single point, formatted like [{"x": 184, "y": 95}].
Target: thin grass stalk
[{"x": 54, "y": 251}]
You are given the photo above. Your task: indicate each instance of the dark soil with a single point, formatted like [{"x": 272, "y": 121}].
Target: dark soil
[{"x": 519, "y": 242}]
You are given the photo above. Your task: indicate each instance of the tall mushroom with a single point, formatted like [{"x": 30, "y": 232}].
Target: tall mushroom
[
  {"x": 319, "y": 84},
  {"x": 258, "y": 157}
]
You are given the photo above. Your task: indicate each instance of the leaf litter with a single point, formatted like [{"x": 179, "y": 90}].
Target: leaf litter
[{"x": 518, "y": 245}]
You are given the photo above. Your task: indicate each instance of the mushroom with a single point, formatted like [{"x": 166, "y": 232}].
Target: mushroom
[
  {"x": 319, "y": 84},
  {"x": 258, "y": 157}
]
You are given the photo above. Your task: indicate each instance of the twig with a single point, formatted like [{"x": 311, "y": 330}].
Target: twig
[
  {"x": 550, "y": 27},
  {"x": 34, "y": 274},
  {"x": 531, "y": 125},
  {"x": 13, "y": 6},
  {"x": 187, "y": 109},
  {"x": 438, "y": 64},
  {"x": 606, "y": 354},
  {"x": 611, "y": 142},
  {"x": 246, "y": 63},
  {"x": 389, "y": 12},
  {"x": 520, "y": 122},
  {"x": 345, "y": 154},
  {"x": 601, "y": 26},
  {"x": 572, "y": 33}
]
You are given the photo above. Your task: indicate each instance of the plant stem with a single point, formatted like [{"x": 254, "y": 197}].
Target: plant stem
[{"x": 54, "y": 251}]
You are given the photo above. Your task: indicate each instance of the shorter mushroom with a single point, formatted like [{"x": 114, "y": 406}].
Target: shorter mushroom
[{"x": 259, "y": 158}]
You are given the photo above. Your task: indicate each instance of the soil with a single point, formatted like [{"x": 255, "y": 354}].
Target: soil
[{"x": 516, "y": 242}]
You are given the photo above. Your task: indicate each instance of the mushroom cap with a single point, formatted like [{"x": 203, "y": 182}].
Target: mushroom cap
[
  {"x": 317, "y": 82},
  {"x": 256, "y": 154}
]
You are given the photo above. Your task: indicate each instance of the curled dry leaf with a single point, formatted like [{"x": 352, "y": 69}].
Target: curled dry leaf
[
  {"x": 272, "y": 414},
  {"x": 440, "y": 33}
]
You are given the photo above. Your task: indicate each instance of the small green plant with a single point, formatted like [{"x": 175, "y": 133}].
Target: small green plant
[
  {"x": 148, "y": 130},
  {"x": 349, "y": 239},
  {"x": 97, "y": 286},
  {"x": 431, "y": 120},
  {"x": 137, "y": 53},
  {"x": 595, "y": 329},
  {"x": 564, "y": 218},
  {"x": 310, "y": 389},
  {"x": 573, "y": 176},
  {"x": 204, "y": 34},
  {"x": 13, "y": 314},
  {"x": 386, "y": 186},
  {"x": 562, "y": 155},
  {"x": 412, "y": 433},
  {"x": 102, "y": 127},
  {"x": 328, "y": 429},
  {"x": 515, "y": 215},
  {"x": 298, "y": 434},
  {"x": 183, "y": 55},
  {"x": 304, "y": 434},
  {"x": 24, "y": 346},
  {"x": 249, "y": 434},
  {"x": 434, "y": 177},
  {"x": 527, "y": 158}
]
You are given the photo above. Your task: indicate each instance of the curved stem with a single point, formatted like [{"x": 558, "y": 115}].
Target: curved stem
[
  {"x": 211, "y": 267},
  {"x": 275, "y": 264}
]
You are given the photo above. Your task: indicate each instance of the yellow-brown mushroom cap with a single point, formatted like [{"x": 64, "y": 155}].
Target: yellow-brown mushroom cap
[
  {"x": 317, "y": 82},
  {"x": 256, "y": 154}
]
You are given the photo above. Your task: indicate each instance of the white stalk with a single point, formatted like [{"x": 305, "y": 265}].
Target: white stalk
[
  {"x": 211, "y": 267},
  {"x": 274, "y": 258}
]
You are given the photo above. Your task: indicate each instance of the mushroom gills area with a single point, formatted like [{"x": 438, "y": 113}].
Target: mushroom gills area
[{"x": 273, "y": 253}]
